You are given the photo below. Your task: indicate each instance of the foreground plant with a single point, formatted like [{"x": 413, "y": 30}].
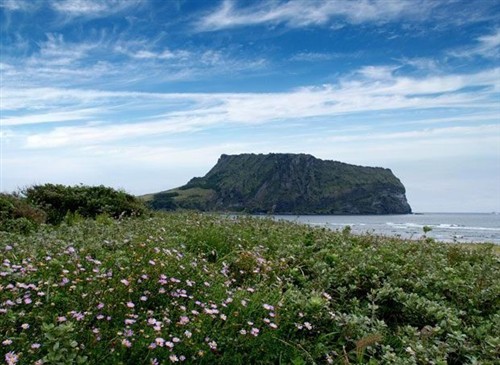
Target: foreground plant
[{"x": 209, "y": 289}]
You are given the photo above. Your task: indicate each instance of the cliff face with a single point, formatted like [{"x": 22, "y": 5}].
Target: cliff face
[{"x": 292, "y": 184}]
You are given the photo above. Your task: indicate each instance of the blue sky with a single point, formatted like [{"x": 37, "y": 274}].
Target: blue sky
[{"x": 144, "y": 95}]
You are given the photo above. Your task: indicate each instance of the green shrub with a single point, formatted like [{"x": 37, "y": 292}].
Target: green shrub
[
  {"x": 87, "y": 201},
  {"x": 18, "y": 215}
]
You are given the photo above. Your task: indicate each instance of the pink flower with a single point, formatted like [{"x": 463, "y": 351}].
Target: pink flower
[
  {"x": 173, "y": 358},
  {"x": 25, "y": 326},
  {"x": 61, "y": 319},
  {"x": 126, "y": 343},
  {"x": 35, "y": 346},
  {"x": 130, "y": 305},
  {"x": 125, "y": 282},
  {"x": 268, "y": 307},
  {"x": 11, "y": 358},
  {"x": 254, "y": 331},
  {"x": 160, "y": 341},
  {"x": 213, "y": 345},
  {"x": 7, "y": 342}
]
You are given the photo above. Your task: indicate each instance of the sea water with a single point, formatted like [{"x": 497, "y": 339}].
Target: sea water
[{"x": 445, "y": 227}]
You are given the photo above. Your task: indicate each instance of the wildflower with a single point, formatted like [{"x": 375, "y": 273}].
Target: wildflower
[
  {"x": 7, "y": 342},
  {"x": 273, "y": 325},
  {"x": 100, "y": 306},
  {"x": 327, "y": 296},
  {"x": 308, "y": 325},
  {"x": 268, "y": 307},
  {"x": 125, "y": 282},
  {"x": 11, "y": 358},
  {"x": 154, "y": 361},
  {"x": 176, "y": 340},
  {"x": 152, "y": 262},
  {"x": 159, "y": 341},
  {"x": 173, "y": 358},
  {"x": 35, "y": 346},
  {"x": 130, "y": 305},
  {"x": 223, "y": 317},
  {"x": 410, "y": 351},
  {"x": 78, "y": 316},
  {"x": 25, "y": 326},
  {"x": 61, "y": 319},
  {"x": 144, "y": 298},
  {"x": 254, "y": 331},
  {"x": 244, "y": 303},
  {"x": 213, "y": 345},
  {"x": 169, "y": 344},
  {"x": 27, "y": 301},
  {"x": 188, "y": 334},
  {"x": 243, "y": 332},
  {"x": 126, "y": 343}
]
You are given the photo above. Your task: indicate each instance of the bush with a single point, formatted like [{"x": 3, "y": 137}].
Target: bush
[
  {"x": 87, "y": 201},
  {"x": 18, "y": 215}
]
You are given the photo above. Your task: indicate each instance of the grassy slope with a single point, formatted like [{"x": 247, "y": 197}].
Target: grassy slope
[{"x": 314, "y": 296}]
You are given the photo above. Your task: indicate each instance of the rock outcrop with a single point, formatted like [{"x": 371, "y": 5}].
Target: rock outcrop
[{"x": 289, "y": 184}]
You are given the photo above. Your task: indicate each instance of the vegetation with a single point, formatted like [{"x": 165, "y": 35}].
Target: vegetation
[
  {"x": 289, "y": 183},
  {"x": 25, "y": 211},
  {"x": 16, "y": 214},
  {"x": 208, "y": 289}
]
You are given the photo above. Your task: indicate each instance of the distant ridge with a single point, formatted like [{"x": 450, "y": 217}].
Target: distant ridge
[{"x": 279, "y": 183}]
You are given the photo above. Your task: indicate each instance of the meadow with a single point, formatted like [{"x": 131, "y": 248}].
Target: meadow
[{"x": 211, "y": 289}]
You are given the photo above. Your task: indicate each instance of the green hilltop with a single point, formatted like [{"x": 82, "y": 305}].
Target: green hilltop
[{"x": 288, "y": 184}]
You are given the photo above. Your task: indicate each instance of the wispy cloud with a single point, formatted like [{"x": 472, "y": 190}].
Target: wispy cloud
[
  {"x": 17, "y": 5},
  {"x": 296, "y": 13},
  {"x": 109, "y": 59},
  {"x": 92, "y": 8},
  {"x": 487, "y": 46},
  {"x": 369, "y": 90}
]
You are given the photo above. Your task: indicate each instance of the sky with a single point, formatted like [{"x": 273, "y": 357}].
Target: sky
[{"x": 143, "y": 95}]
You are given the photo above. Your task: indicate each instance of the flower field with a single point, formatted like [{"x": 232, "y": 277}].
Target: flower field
[{"x": 207, "y": 289}]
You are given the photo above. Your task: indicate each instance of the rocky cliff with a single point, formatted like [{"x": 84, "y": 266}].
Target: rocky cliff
[{"x": 289, "y": 184}]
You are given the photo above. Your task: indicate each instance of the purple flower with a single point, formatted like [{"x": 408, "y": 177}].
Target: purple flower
[
  {"x": 11, "y": 358},
  {"x": 254, "y": 331}
]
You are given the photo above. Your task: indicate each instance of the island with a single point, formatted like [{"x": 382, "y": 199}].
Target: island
[{"x": 285, "y": 183}]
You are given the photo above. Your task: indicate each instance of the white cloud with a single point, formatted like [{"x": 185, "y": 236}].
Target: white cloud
[
  {"x": 487, "y": 46},
  {"x": 370, "y": 89},
  {"x": 92, "y": 8},
  {"x": 297, "y": 13}
]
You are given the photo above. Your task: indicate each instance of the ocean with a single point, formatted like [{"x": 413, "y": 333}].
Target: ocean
[{"x": 446, "y": 227}]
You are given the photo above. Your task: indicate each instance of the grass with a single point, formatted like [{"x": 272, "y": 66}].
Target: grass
[{"x": 206, "y": 289}]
